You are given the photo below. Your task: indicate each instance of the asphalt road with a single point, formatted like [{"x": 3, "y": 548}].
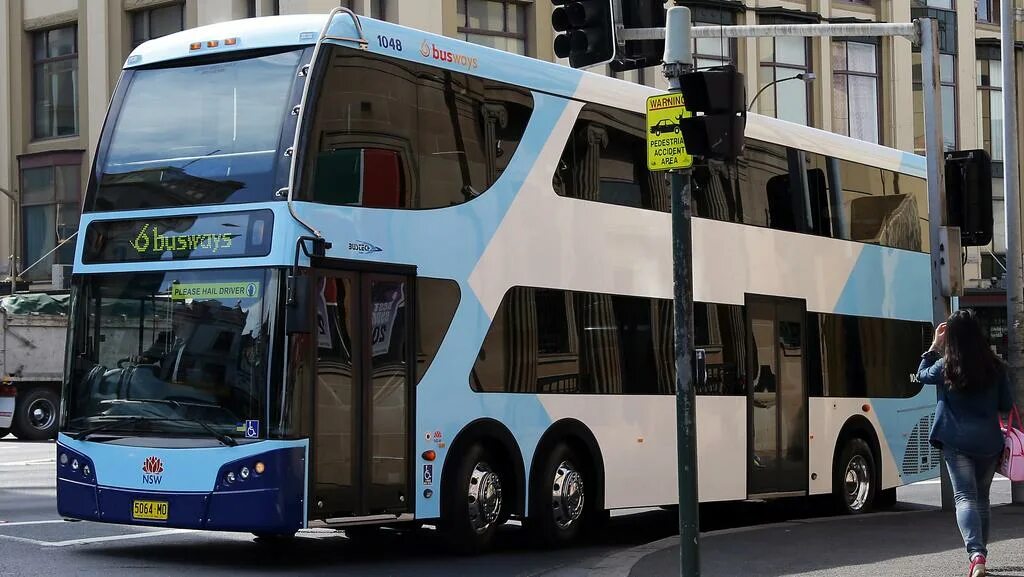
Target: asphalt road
[{"x": 35, "y": 541}]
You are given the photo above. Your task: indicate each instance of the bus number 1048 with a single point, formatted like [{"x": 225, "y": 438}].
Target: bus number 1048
[{"x": 392, "y": 43}]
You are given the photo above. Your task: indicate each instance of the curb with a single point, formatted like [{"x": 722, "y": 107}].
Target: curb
[{"x": 620, "y": 563}]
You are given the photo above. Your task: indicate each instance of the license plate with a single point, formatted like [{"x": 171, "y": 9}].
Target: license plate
[{"x": 149, "y": 510}]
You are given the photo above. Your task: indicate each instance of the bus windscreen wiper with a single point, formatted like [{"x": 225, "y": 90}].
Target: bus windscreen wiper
[
  {"x": 180, "y": 409},
  {"x": 83, "y": 435},
  {"x": 225, "y": 439}
]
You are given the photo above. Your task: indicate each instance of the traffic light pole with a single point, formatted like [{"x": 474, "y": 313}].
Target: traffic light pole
[{"x": 678, "y": 61}]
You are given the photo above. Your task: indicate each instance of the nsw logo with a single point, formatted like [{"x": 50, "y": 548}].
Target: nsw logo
[
  {"x": 363, "y": 247},
  {"x": 152, "y": 469}
]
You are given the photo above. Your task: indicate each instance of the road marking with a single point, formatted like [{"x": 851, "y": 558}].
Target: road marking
[
  {"x": 91, "y": 540},
  {"x": 937, "y": 481},
  {"x": 49, "y": 461},
  {"x": 20, "y": 523}
]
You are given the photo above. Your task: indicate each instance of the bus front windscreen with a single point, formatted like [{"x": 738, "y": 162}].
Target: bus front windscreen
[
  {"x": 207, "y": 133},
  {"x": 171, "y": 353}
]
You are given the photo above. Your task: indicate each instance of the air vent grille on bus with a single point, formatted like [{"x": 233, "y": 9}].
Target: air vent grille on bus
[{"x": 921, "y": 456}]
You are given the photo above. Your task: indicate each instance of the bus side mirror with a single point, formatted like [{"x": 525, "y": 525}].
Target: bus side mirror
[
  {"x": 969, "y": 195},
  {"x": 297, "y": 305}
]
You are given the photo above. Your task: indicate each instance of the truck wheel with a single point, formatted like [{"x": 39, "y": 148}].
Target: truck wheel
[{"x": 35, "y": 416}]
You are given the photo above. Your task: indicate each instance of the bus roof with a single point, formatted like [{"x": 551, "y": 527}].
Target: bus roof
[{"x": 405, "y": 43}]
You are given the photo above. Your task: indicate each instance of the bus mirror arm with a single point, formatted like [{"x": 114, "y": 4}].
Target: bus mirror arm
[{"x": 297, "y": 286}]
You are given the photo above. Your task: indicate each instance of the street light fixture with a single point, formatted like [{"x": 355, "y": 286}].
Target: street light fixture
[{"x": 805, "y": 76}]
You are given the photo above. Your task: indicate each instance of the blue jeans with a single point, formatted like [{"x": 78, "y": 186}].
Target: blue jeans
[{"x": 971, "y": 478}]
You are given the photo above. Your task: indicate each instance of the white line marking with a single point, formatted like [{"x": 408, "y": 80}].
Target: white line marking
[
  {"x": 49, "y": 461},
  {"x": 937, "y": 481},
  {"x": 20, "y": 523},
  {"x": 90, "y": 540}
]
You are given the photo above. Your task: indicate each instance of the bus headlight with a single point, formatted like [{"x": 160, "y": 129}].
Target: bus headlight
[
  {"x": 230, "y": 477},
  {"x": 244, "y": 473}
]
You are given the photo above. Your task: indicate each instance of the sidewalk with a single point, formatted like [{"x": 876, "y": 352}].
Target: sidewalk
[{"x": 918, "y": 543}]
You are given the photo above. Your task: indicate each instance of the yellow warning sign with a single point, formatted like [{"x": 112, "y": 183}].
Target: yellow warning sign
[{"x": 665, "y": 149}]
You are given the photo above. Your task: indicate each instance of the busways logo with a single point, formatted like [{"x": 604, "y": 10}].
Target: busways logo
[
  {"x": 429, "y": 50},
  {"x": 152, "y": 468}
]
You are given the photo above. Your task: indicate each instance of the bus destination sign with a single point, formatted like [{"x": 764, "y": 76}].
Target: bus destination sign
[{"x": 225, "y": 235}]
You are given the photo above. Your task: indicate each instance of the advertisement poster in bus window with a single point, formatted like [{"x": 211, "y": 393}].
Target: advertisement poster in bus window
[{"x": 387, "y": 299}]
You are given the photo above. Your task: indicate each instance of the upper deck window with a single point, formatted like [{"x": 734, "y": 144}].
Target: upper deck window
[
  {"x": 199, "y": 134},
  {"x": 388, "y": 133}
]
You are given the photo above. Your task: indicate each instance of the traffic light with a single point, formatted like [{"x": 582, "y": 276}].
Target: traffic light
[
  {"x": 969, "y": 195},
  {"x": 587, "y": 31},
  {"x": 718, "y": 93}
]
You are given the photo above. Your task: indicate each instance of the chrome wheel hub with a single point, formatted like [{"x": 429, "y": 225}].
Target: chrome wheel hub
[
  {"x": 566, "y": 495},
  {"x": 41, "y": 414},
  {"x": 484, "y": 497},
  {"x": 857, "y": 483}
]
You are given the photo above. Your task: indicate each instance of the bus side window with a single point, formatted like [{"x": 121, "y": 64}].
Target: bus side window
[{"x": 390, "y": 133}]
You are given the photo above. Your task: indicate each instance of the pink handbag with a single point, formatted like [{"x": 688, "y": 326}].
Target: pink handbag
[{"x": 1011, "y": 465}]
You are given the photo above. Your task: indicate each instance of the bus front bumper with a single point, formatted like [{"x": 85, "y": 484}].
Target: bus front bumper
[{"x": 270, "y": 502}]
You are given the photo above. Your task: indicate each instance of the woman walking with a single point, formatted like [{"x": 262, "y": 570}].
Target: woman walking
[{"x": 973, "y": 389}]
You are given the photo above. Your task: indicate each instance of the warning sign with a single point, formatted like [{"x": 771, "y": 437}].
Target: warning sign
[{"x": 665, "y": 149}]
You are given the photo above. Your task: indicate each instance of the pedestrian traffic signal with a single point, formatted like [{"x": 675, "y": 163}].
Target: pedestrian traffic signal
[
  {"x": 969, "y": 195},
  {"x": 587, "y": 30},
  {"x": 720, "y": 95}
]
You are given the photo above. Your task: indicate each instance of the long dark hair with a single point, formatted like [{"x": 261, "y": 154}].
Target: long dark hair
[{"x": 970, "y": 365}]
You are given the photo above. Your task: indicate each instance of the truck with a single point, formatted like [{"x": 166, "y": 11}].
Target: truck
[{"x": 33, "y": 334}]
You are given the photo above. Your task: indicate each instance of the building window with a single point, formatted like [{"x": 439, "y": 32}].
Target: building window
[
  {"x": 990, "y": 107},
  {"x": 378, "y": 10},
  {"x": 499, "y": 24},
  {"x": 987, "y": 11},
  {"x": 55, "y": 82},
  {"x": 50, "y": 208},
  {"x": 157, "y": 22},
  {"x": 782, "y": 60},
  {"x": 855, "y": 90},
  {"x": 709, "y": 52}
]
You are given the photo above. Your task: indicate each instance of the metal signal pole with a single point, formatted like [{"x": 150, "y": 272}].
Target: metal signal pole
[
  {"x": 1014, "y": 270},
  {"x": 679, "y": 61}
]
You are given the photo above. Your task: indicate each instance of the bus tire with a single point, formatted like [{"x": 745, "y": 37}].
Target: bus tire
[
  {"x": 855, "y": 478},
  {"x": 4, "y": 432},
  {"x": 36, "y": 415},
  {"x": 473, "y": 507},
  {"x": 559, "y": 504}
]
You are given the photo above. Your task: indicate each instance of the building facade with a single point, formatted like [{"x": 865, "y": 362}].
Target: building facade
[{"x": 60, "y": 60}]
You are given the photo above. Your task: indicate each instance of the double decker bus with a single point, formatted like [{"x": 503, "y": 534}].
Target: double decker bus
[{"x": 335, "y": 272}]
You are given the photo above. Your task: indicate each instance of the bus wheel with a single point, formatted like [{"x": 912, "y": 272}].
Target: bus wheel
[
  {"x": 35, "y": 415},
  {"x": 3, "y": 433},
  {"x": 473, "y": 506},
  {"x": 854, "y": 478},
  {"x": 559, "y": 504}
]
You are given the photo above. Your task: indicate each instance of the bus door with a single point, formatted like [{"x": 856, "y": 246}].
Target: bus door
[
  {"x": 777, "y": 425},
  {"x": 362, "y": 398}
]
